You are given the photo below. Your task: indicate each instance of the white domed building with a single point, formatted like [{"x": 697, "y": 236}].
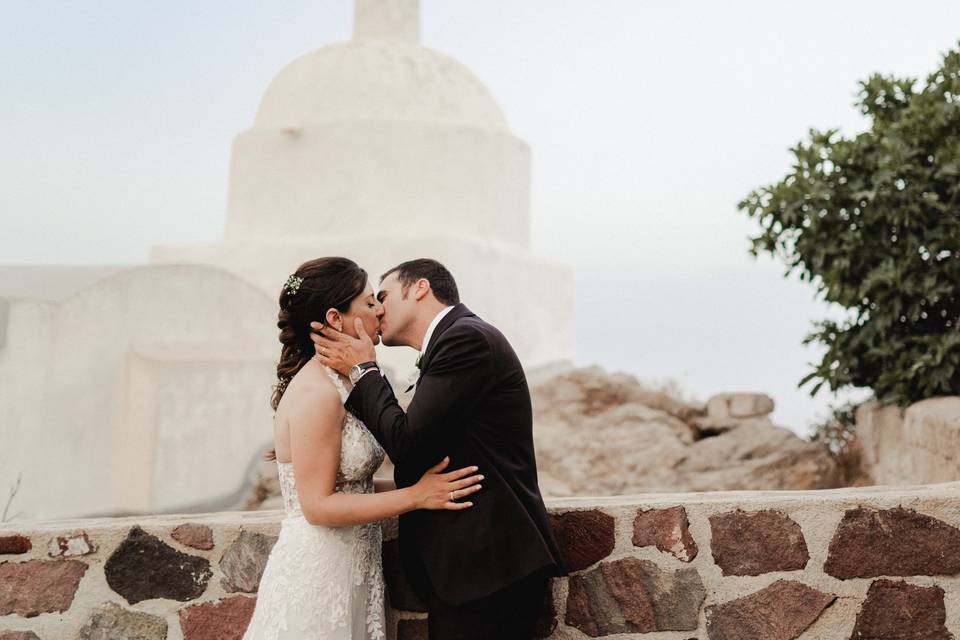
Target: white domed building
[
  {"x": 146, "y": 389},
  {"x": 382, "y": 150}
]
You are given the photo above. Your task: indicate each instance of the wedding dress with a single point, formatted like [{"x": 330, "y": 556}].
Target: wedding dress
[{"x": 325, "y": 582}]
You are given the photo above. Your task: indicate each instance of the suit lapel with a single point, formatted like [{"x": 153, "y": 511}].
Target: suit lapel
[{"x": 458, "y": 311}]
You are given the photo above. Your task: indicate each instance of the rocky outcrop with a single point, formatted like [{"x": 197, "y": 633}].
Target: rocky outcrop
[{"x": 600, "y": 433}]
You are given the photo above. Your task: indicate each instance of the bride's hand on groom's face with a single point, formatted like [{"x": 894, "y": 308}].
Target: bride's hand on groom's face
[{"x": 341, "y": 351}]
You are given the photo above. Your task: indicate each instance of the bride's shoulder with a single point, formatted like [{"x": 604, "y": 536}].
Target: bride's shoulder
[
  {"x": 318, "y": 392},
  {"x": 310, "y": 394}
]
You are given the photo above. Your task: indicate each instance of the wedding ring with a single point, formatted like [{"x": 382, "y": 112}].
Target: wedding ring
[{"x": 451, "y": 496}]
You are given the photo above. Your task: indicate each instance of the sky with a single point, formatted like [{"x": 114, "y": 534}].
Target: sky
[{"x": 648, "y": 122}]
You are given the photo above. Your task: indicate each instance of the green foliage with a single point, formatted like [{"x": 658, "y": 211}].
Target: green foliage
[
  {"x": 873, "y": 222},
  {"x": 838, "y": 430}
]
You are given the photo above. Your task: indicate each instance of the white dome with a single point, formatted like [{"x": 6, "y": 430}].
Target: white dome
[{"x": 377, "y": 80}]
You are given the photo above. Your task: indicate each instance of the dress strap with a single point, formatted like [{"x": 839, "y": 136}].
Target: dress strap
[{"x": 338, "y": 383}]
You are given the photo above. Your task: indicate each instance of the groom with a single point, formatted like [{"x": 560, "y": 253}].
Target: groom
[{"x": 482, "y": 571}]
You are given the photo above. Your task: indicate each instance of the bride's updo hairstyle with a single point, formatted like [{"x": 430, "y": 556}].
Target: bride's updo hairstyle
[{"x": 315, "y": 287}]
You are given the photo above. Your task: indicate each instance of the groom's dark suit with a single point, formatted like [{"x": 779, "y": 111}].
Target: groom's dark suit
[{"x": 473, "y": 404}]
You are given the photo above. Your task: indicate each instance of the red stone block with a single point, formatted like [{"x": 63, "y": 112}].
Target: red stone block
[
  {"x": 902, "y": 610},
  {"x": 39, "y": 586},
  {"x": 752, "y": 543},
  {"x": 892, "y": 542},
  {"x": 667, "y": 529},
  {"x": 585, "y": 537},
  {"x": 15, "y": 544},
  {"x": 198, "y": 536},
  {"x": 634, "y": 596},
  {"x": 781, "y": 611},
  {"x": 222, "y": 620}
]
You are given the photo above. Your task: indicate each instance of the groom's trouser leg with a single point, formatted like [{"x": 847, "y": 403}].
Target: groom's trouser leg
[{"x": 508, "y": 614}]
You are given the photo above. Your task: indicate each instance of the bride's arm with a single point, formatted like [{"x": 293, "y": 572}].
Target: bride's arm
[{"x": 315, "y": 427}]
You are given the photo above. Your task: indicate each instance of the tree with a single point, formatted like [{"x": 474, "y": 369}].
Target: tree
[{"x": 873, "y": 221}]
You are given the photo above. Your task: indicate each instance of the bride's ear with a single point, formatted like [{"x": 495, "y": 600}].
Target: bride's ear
[{"x": 334, "y": 319}]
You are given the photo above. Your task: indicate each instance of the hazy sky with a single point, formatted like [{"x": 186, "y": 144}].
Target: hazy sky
[{"x": 648, "y": 123}]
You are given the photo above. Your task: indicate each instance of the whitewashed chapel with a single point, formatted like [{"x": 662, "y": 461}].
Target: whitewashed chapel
[{"x": 146, "y": 388}]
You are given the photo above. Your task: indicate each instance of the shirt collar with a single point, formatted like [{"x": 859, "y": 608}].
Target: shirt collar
[{"x": 431, "y": 329}]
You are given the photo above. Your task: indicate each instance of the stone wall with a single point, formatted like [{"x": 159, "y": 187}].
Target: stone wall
[
  {"x": 920, "y": 445},
  {"x": 874, "y": 562}
]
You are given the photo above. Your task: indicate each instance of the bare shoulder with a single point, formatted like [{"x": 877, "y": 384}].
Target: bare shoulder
[{"x": 317, "y": 403}]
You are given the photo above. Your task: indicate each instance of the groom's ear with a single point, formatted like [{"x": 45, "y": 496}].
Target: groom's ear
[{"x": 421, "y": 289}]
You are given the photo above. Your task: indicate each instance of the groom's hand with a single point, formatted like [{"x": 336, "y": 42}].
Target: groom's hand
[{"x": 340, "y": 351}]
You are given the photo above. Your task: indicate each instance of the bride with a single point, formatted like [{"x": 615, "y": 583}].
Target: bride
[{"x": 324, "y": 577}]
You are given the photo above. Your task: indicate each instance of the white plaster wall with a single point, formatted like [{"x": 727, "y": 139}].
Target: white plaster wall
[
  {"x": 383, "y": 76},
  {"x": 530, "y": 300},
  {"x": 365, "y": 178},
  {"x": 149, "y": 383},
  {"x": 918, "y": 445},
  {"x": 205, "y": 406}
]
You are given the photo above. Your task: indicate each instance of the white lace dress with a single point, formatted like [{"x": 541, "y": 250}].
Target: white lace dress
[{"x": 325, "y": 582}]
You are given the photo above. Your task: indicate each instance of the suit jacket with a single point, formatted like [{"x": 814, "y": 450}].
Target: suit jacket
[{"x": 473, "y": 404}]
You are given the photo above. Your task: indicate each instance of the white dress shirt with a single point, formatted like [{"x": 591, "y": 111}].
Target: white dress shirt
[{"x": 415, "y": 375}]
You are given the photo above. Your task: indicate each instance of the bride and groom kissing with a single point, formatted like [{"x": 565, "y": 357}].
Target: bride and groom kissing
[{"x": 475, "y": 542}]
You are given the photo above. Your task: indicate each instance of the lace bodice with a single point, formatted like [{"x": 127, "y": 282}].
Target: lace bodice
[
  {"x": 360, "y": 457},
  {"x": 325, "y": 582}
]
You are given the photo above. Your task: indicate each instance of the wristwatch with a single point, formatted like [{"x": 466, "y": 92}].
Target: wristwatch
[{"x": 357, "y": 370}]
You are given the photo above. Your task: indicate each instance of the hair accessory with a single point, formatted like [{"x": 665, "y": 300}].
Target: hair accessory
[
  {"x": 282, "y": 385},
  {"x": 292, "y": 285}
]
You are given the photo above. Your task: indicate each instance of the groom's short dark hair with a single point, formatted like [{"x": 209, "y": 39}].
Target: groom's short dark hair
[{"x": 441, "y": 280}]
